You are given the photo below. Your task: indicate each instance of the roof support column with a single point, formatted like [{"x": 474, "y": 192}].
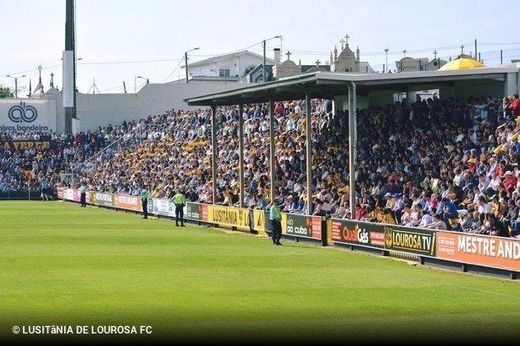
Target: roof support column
[
  {"x": 352, "y": 145},
  {"x": 214, "y": 151},
  {"x": 308, "y": 152},
  {"x": 272, "y": 150},
  {"x": 241, "y": 153}
]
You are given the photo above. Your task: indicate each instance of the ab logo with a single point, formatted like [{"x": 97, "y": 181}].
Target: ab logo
[{"x": 22, "y": 113}]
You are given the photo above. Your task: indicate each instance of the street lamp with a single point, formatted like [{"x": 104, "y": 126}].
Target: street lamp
[
  {"x": 386, "y": 60},
  {"x": 135, "y": 82},
  {"x": 186, "y": 61},
  {"x": 264, "y": 62},
  {"x": 16, "y": 84}
]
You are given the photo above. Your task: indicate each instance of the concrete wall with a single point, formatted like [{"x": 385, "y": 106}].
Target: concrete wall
[
  {"x": 381, "y": 98},
  {"x": 465, "y": 89},
  {"x": 104, "y": 109},
  {"x": 511, "y": 86}
]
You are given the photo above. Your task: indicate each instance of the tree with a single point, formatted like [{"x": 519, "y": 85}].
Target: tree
[
  {"x": 5, "y": 92},
  {"x": 248, "y": 69}
]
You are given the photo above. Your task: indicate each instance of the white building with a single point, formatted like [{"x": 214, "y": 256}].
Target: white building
[{"x": 231, "y": 65}]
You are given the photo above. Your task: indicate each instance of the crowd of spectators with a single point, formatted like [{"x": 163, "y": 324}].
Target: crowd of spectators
[
  {"x": 443, "y": 164},
  {"x": 32, "y": 160}
]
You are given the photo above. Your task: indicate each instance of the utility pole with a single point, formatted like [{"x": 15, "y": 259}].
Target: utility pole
[
  {"x": 475, "y": 48},
  {"x": 16, "y": 84},
  {"x": 124, "y": 87},
  {"x": 186, "y": 64}
]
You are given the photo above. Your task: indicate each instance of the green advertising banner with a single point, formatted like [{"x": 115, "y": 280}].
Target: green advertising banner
[
  {"x": 303, "y": 226},
  {"x": 193, "y": 211}
]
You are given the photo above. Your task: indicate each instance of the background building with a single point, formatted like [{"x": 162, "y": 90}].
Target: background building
[{"x": 231, "y": 66}]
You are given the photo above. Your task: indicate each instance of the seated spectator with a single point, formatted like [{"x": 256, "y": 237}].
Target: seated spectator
[{"x": 437, "y": 223}]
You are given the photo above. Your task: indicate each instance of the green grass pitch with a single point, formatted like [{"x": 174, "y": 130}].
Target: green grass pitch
[{"x": 65, "y": 265}]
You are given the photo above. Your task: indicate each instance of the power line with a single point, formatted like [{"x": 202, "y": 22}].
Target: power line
[
  {"x": 175, "y": 69},
  {"x": 127, "y": 61},
  {"x": 498, "y": 44},
  {"x": 35, "y": 69}
]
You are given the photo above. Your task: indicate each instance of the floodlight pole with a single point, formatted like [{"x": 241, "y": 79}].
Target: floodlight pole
[
  {"x": 264, "y": 62},
  {"x": 241, "y": 153},
  {"x": 386, "y": 61},
  {"x": 308, "y": 152},
  {"x": 271, "y": 149},
  {"x": 214, "y": 151},
  {"x": 352, "y": 144},
  {"x": 70, "y": 47}
]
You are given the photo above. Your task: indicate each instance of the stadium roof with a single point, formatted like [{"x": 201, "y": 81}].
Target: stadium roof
[{"x": 330, "y": 84}]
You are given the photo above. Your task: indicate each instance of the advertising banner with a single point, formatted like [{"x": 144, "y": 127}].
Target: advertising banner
[
  {"x": 259, "y": 220},
  {"x": 193, "y": 211},
  {"x": 127, "y": 202},
  {"x": 361, "y": 233},
  {"x": 27, "y": 115},
  {"x": 23, "y": 145},
  {"x": 60, "y": 192},
  {"x": 238, "y": 217},
  {"x": 303, "y": 226},
  {"x": 89, "y": 197},
  {"x": 103, "y": 199},
  {"x": 418, "y": 241},
  {"x": 204, "y": 212},
  {"x": 481, "y": 250},
  {"x": 161, "y": 206},
  {"x": 68, "y": 194},
  {"x": 75, "y": 195}
]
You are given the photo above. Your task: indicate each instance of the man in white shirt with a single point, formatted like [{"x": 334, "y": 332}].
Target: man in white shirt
[
  {"x": 426, "y": 219},
  {"x": 437, "y": 223},
  {"x": 483, "y": 207}
]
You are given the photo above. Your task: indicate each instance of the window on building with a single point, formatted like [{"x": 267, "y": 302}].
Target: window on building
[{"x": 223, "y": 72}]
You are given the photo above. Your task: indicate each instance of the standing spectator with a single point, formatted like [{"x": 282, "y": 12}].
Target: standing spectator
[
  {"x": 144, "y": 201},
  {"x": 83, "y": 195},
  {"x": 275, "y": 217},
  {"x": 180, "y": 201}
]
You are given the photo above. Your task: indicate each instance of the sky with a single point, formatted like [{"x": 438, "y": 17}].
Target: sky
[{"x": 118, "y": 40}]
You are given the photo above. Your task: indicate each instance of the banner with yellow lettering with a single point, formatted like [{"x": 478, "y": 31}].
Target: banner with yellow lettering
[
  {"x": 27, "y": 144},
  {"x": 230, "y": 216},
  {"x": 260, "y": 218}
]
